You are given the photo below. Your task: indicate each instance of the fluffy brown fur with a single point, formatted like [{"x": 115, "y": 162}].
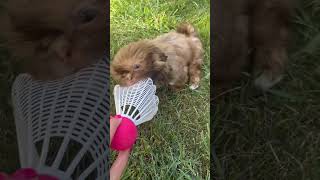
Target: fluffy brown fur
[
  {"x": 55, "y": 38},
  {"x": 250, "y": 34},
  {"x": 171, "y": 59}
]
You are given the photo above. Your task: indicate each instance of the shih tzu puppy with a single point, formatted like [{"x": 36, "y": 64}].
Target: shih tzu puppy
[
  {"x": 172, "y": 59},
  {"x": 250, "y": 36},
  {"x": 55, "y": 38}
]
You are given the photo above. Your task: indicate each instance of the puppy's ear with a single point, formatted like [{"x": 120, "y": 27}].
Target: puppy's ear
[
  {"x": 159, "y": 59},
  {"x": 158, "y": 55}
]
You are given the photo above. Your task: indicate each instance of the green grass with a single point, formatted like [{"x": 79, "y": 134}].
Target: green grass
[
  {"x": 9, "y": 160},
  {"x": 8, "y": 145},
  {"x": 175, "y": 144},
  {"x": 275, "y": 135}
]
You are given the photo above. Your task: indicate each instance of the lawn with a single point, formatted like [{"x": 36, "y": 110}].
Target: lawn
[
  {"x": 275, "y": 135},
  {"x": 8, "y": 144},
  {"x": 175, "y": 144}
]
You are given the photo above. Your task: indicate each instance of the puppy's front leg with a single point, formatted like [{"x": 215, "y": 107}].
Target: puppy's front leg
[{"x": 270, "y": 23}]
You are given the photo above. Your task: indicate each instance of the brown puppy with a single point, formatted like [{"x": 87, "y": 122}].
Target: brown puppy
[
  {"x": 250, "y": 34},
  {"x": 55, "y": 38},
  {"x": 171, "y": 59}
]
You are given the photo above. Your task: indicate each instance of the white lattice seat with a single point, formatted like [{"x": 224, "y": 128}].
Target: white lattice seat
[{"x": 63, "y": 125}]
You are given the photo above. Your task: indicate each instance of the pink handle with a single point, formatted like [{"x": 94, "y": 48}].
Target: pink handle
[
  {"x": 125, "y": 135},
  {"x": 26, "y": 174},
  {"x": 3, "y": 176}
]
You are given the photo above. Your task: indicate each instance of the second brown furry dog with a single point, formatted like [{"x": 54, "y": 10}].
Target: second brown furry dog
[
  {"x": 171, "y": 59},
  {"x": 53, "y": 39},
  {"x": 250, "y": 36}
]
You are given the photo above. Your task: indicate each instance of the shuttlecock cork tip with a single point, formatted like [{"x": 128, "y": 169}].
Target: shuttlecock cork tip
[{"x": 125, "y": 135}]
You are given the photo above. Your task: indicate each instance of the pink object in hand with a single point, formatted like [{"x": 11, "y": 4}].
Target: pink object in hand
[
  {"x": 47, "y": 177},
  {"x": 125, "y": 135},
  {"x": 3, "y": 176},
  {"x": 26, "y": 174}
]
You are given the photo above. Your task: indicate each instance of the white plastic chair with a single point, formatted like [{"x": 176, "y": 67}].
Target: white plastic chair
[{"x": 63, "y": 125}]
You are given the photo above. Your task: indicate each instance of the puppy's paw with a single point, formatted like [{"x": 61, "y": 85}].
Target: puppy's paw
[
  {"x": 195, "y": 82},
  {"x": 266, "y": 81},
  {"x": 194, "y": 86},
  {"x": 269, "y": 67}
]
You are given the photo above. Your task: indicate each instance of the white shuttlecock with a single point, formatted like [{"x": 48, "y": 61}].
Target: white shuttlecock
[
  {"x": 137, "y": 102},
  {"x": 63, "y": 125}
]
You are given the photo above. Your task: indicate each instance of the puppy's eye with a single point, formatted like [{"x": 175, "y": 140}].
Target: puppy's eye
[
  {"x": 124, "y": 72},
  {"x": 124, "y": 75},
  {"x": 136, "y": 66},
  {"x": 87, "y": 15}
]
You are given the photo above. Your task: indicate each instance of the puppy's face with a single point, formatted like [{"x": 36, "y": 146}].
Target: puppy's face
[
  {"x": 56, "y": 37},
  {"x": 135, "y": 62},
  {"x": 130, "y": 71}
]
